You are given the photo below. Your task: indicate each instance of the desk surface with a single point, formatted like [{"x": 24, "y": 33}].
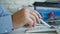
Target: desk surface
[{"x": 41, "y": 28}]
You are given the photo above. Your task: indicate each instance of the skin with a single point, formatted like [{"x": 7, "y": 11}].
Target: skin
[{"x": 27, "y": 17}]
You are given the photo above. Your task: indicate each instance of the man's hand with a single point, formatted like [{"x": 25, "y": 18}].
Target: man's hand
[{"x": 27, "y": 17}]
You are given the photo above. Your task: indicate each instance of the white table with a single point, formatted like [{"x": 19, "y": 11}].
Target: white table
[{"x": 41, "y": 29}]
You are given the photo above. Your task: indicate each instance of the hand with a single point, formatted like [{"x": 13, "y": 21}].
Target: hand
[{"x": 26, "y": 17}]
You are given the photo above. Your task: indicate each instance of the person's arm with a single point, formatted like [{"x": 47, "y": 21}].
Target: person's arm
[
  {"x": 22, "y": 17},
  {"x": 27, "y": 17}
]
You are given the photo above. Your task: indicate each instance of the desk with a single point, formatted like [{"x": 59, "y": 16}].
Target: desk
[{"x": 42, "y": 30}]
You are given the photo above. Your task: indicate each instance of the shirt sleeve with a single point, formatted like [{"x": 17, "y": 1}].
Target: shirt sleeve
[
  {"x": 5, "y": 21},
  {"x": 3, "y": 11}
]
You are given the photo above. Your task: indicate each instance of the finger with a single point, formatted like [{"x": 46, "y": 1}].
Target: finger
[
  {"x": 36, "y": 13},
  {"x": 33, "y": 12},
  {"x": 29, "y": 22},
  {"x": 34, "y": 20},
  {"x": 36, "y": 17}
]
